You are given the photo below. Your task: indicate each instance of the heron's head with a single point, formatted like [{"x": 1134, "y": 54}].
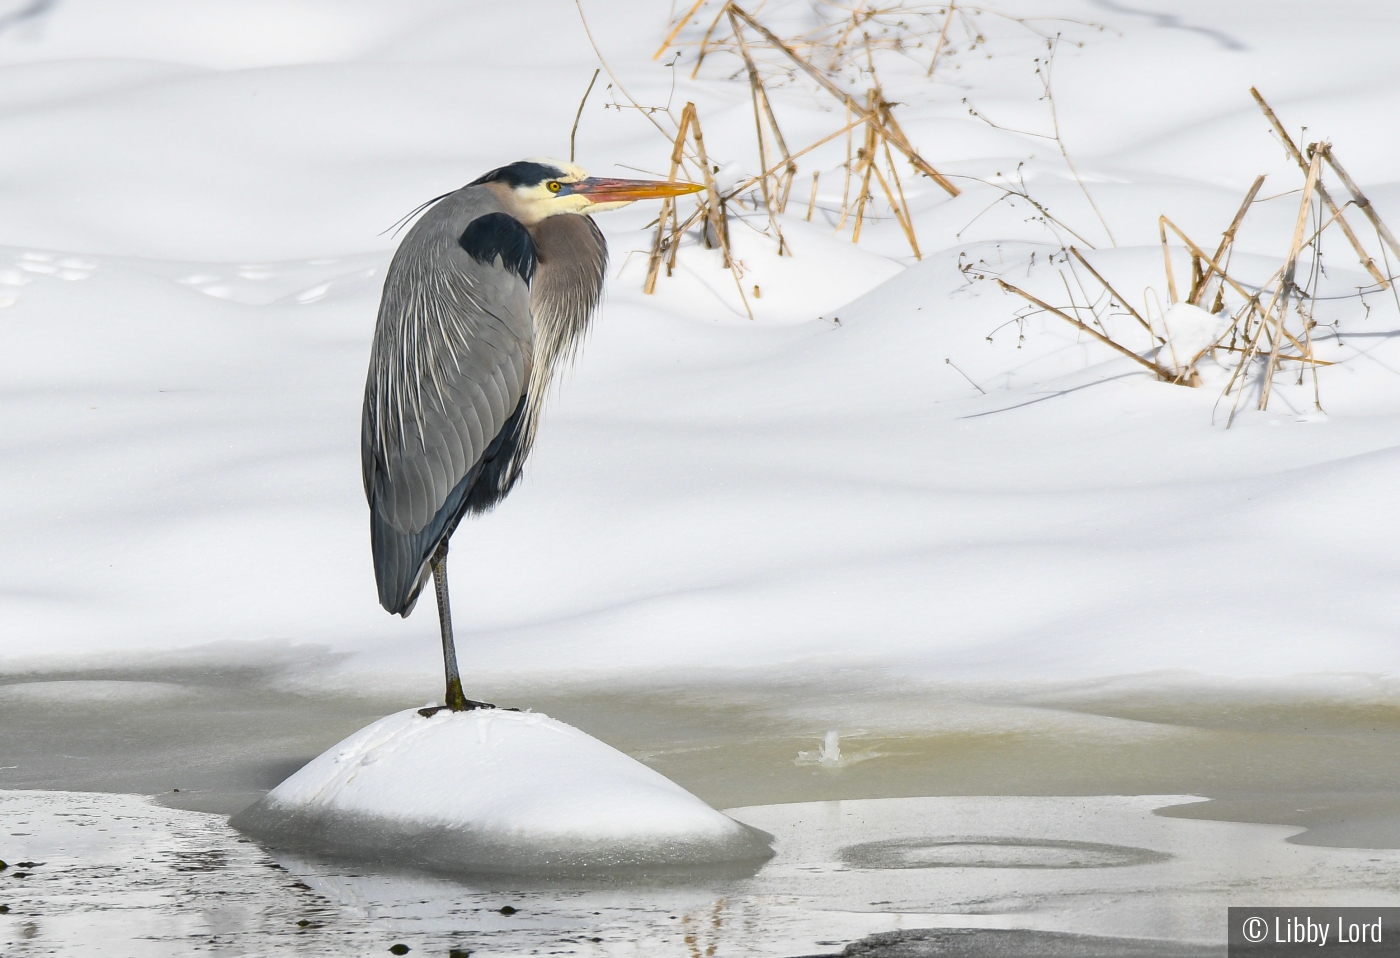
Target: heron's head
[{"x": 535, "y": 189}]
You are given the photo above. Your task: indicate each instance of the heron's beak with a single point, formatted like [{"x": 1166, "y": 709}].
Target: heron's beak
[{"x": 600, "y": 189}]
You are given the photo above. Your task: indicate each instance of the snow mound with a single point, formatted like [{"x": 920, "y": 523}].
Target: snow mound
[
  {"x": 494, "y": 791},
  {"x": 1190, "y": 330}
]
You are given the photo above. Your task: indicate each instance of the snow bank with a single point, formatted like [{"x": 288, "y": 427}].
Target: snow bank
[
  {"x": 190, "y": 263},
  {"x": 494, "y": 791}
]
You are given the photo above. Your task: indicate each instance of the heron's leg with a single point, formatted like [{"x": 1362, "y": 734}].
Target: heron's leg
[{"x": 455, "y": 699}]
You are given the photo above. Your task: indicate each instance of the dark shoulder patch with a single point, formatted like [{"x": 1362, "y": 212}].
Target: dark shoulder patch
[{"x": 498, "y": 234}]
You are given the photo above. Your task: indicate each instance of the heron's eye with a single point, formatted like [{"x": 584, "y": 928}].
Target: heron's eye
[{"x": 555, "y": 186}]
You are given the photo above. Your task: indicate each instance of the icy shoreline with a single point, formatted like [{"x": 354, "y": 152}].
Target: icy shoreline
[{"x": 122, "y": 873}]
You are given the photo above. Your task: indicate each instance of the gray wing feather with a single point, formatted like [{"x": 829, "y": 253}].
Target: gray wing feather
[{"x": 452, "y": 356}]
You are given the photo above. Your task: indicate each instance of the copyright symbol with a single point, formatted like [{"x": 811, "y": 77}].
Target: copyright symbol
[{"x": 1255, "y": 929}]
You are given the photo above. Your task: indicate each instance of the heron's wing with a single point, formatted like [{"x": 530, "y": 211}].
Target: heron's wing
[{"x": 448, "y": 372}]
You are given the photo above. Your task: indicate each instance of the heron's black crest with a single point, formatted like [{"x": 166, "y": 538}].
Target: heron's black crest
[
  {"x": 522, "y": 173},
  {"x": 498, "y": 234}
]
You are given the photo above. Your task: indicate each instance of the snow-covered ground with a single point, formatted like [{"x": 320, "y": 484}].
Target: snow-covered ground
[
  {"x": 193, "y": 204},
  {"x": 1002, "y": 553}
]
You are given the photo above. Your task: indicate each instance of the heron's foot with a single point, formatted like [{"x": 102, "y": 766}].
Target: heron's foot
[{"x": 466, "y": 705}]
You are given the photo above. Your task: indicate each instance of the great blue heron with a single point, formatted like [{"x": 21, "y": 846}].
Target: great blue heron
[{"x": 488, "y": 294}]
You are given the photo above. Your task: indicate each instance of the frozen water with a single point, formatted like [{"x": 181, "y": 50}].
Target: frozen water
[
  {"x": 494, "y": 790},
  {"x": 1318, "y": 755},
  {"x": 64, "y": 693},
  {"x": 117, "y": 874}
]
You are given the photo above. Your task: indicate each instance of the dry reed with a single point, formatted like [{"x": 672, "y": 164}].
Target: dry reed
[{"x": 1256, "y": 340}]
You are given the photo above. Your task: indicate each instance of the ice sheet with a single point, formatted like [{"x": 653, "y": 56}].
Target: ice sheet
[
  {"x": 1317, "y": 754},
  {"x": 118, "y": 875}
]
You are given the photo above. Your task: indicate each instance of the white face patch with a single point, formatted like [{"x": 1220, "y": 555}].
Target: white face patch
[{"x": 538, "y": 202}]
